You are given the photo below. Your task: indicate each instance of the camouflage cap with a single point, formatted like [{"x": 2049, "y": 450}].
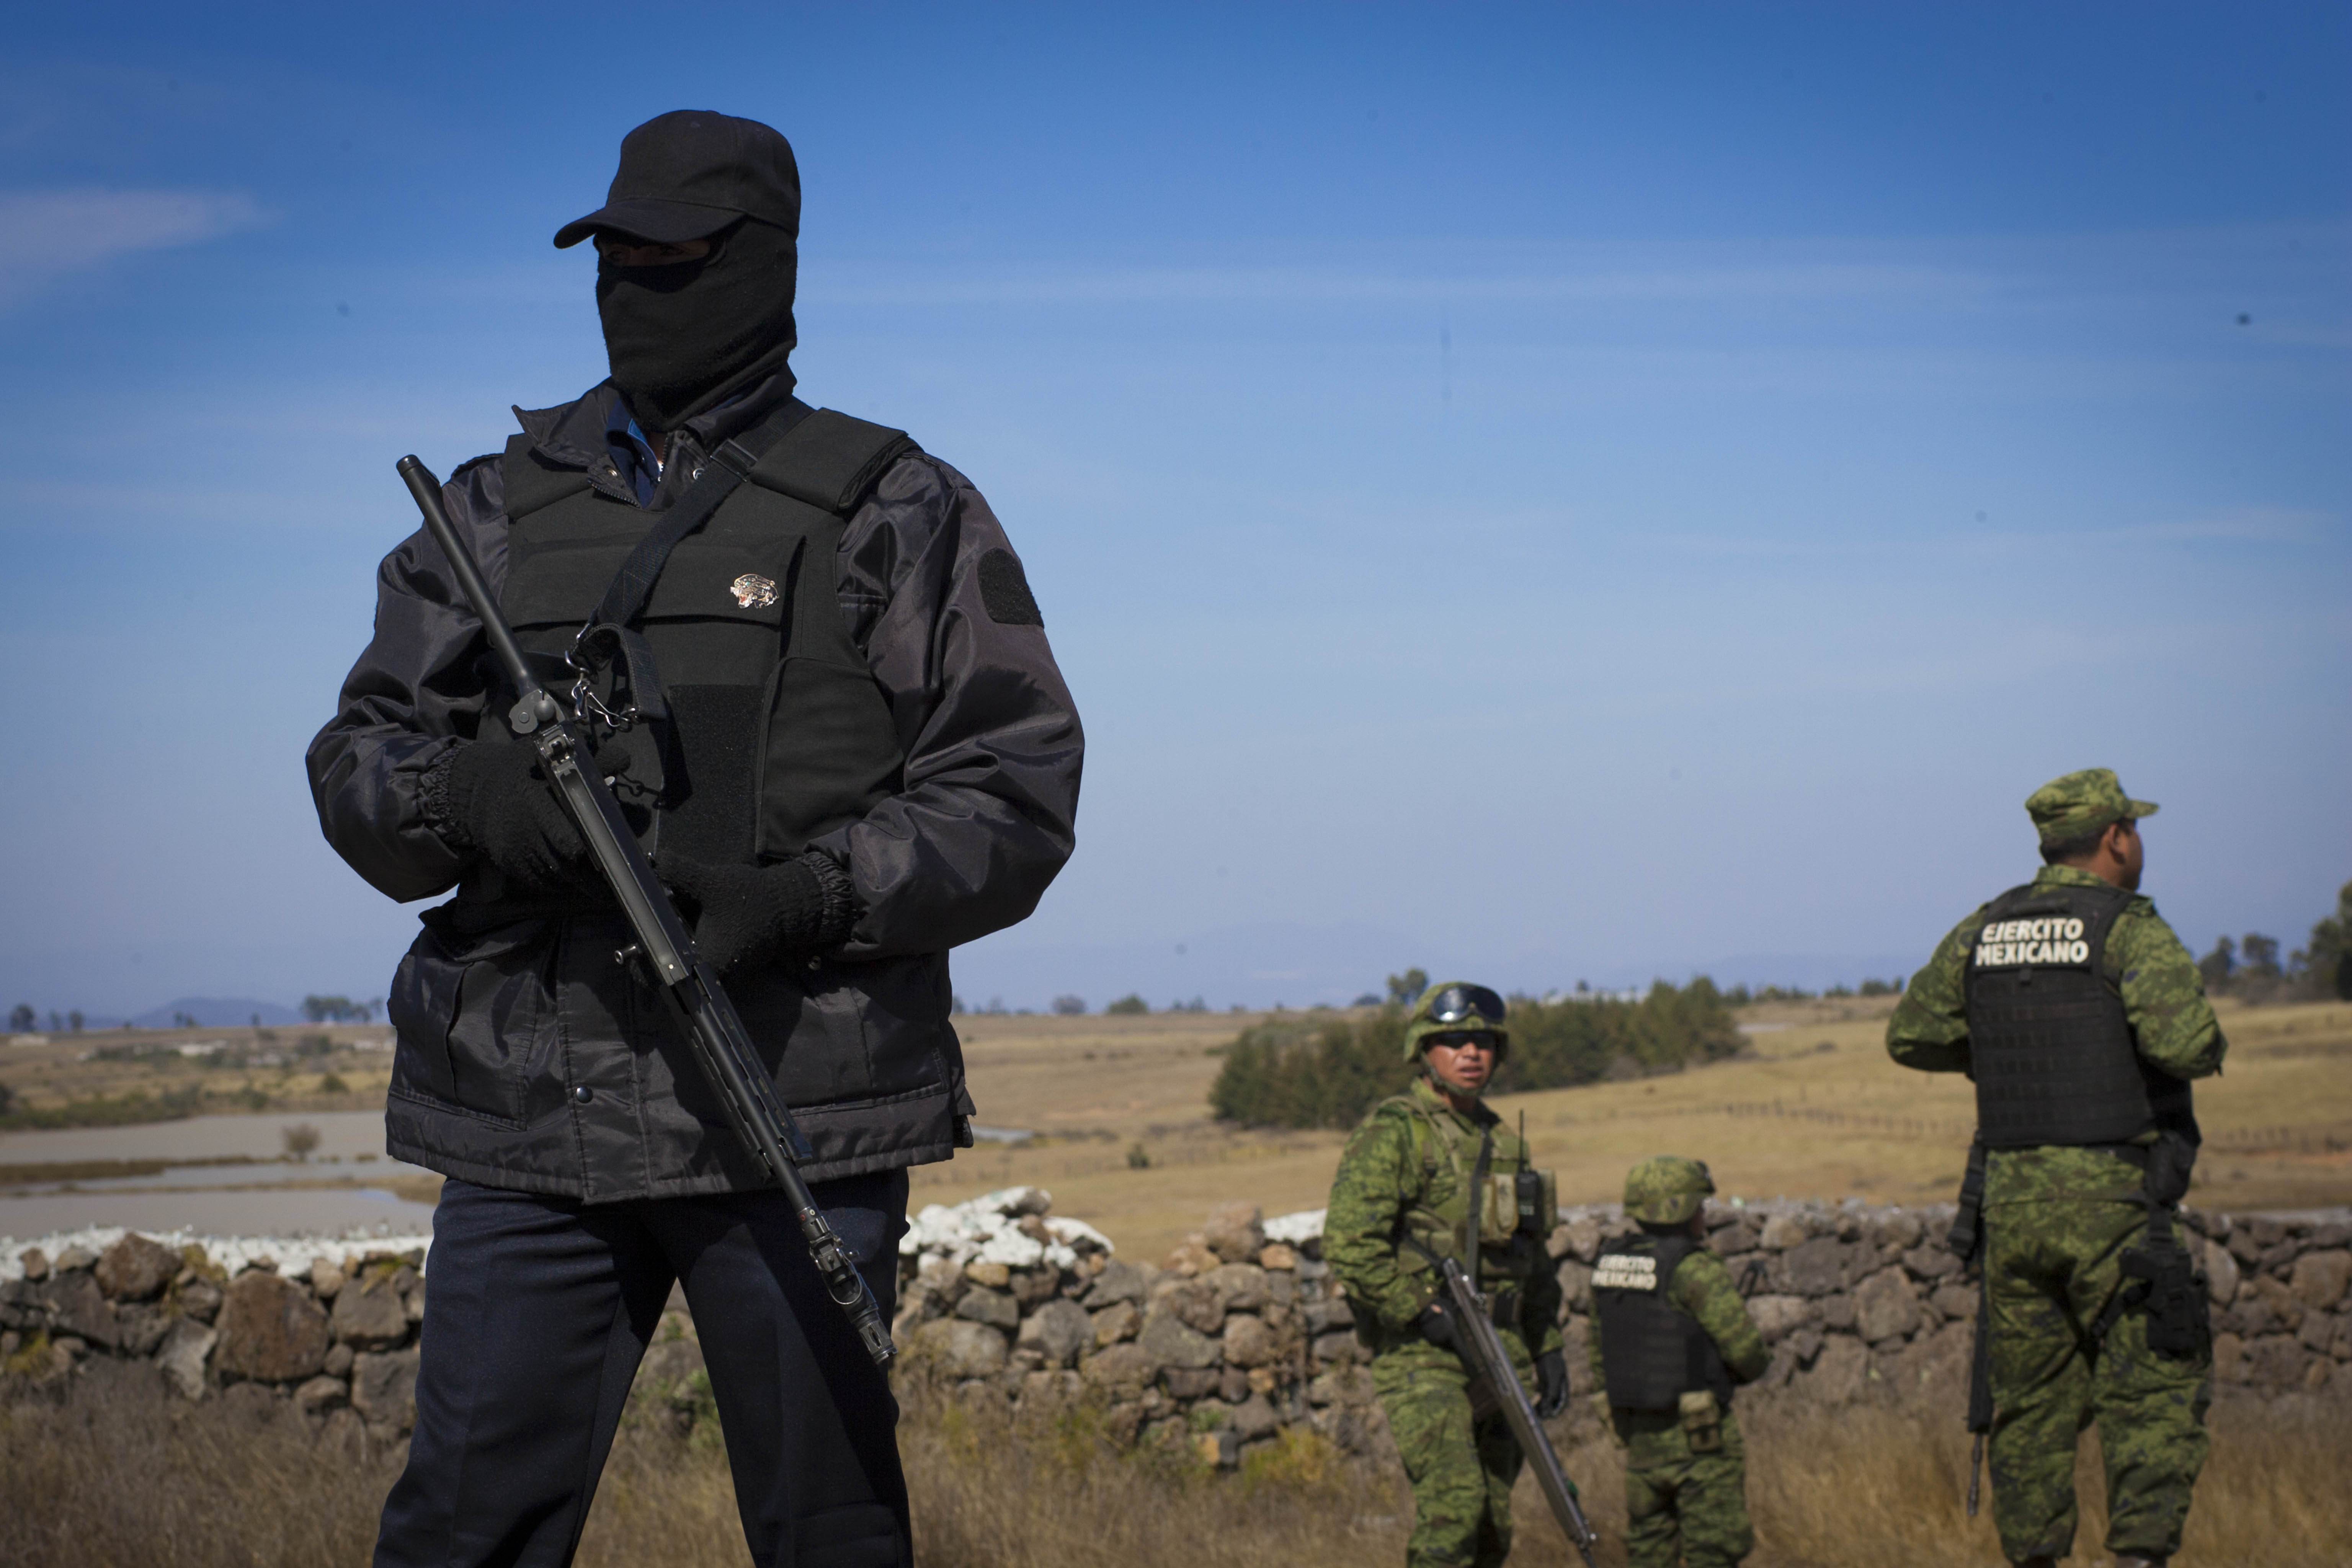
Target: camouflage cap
[
  {"x": 1469, "y": 1006},
  {"x": 1666, "y": 1189},
  {"x": 2082, "y": 803}
]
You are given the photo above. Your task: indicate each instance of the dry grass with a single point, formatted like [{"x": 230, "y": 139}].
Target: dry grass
[
  {"x": 121, "y": 1477},
  {"x": 1819, "y": 1111},
  {"x": 69, "y": 1068}
]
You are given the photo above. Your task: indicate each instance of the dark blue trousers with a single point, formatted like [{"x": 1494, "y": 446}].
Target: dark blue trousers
[{"x": 537, "y": 1311}]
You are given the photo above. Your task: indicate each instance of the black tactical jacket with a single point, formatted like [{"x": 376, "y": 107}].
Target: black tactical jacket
[{"x": 528, "y": 1057}]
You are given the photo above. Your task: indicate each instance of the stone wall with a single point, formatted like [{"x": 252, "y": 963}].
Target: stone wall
[
  {"x": 1238, "y": 1335},
  {"x": 1242, "y": 1332},
  {"x": 332, "y": 1335}
]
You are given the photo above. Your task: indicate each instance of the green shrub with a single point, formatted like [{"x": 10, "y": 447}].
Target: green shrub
[{"x": 1329, "y": 1074}]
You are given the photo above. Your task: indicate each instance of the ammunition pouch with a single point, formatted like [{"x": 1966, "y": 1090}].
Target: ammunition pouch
[
  {"x": 1702, "y": 1420},
  {"x": 1524, "y": 1204}
]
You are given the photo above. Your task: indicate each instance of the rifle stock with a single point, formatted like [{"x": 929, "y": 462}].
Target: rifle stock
[{"x": 698, "y": 1003}]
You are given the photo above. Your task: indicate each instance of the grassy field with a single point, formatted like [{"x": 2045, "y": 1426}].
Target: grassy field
[
  {"x": 1815, "y": 1111},
  {"x": 310, "y": 1068},
  {"x": 122, "y": 1477}
]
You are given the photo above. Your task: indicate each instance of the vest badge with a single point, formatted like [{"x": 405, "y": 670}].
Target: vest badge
[
  {"x": 752, "y": 591},
  {"x": 1626, "y": 1271}
]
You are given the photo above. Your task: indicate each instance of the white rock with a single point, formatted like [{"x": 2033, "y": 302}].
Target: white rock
[
  {"x": 987, "y": 1229},
  {"x": 295, "y": 1254}
]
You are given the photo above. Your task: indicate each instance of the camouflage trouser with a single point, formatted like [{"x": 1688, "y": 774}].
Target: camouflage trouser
[
  {"x": 1461, "y": 1469},
  {"x": 1683, "y": 1507},
  {"x": 2051, "y": 1269}
]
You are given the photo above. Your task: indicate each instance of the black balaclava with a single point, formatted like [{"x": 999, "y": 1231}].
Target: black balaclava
[{"x": 687, "y": 336}]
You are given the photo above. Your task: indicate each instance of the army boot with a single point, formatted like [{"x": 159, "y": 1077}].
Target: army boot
[{"x": 2124, "y": 1561}]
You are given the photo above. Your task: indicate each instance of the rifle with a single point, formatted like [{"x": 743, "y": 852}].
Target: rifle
[
  {"x": 1482, "y": 1347},
  {"x": 1967, "y": 1240},
  {"x": 698, "y": 1006}
]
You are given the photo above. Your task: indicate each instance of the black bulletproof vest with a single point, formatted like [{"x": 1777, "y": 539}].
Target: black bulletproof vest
[
  {"x": 2048, "y": 1043},
  {"x": 1651, "y": 1354},
  {"x": 777, "y": 732}
]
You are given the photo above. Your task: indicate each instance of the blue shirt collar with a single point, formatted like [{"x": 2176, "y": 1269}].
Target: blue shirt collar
[{"x": 631, "y": 453}]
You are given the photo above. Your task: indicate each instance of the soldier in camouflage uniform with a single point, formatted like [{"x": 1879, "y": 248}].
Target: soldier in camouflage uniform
[
  {"x": 1403, "y": 1197},
  {"x": 1670, "y": 1337},
  {"x": 2081, "y": 1017}
]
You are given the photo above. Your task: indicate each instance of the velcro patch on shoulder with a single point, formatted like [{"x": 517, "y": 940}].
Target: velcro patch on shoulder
[
  {"x": 1625, "y": 1272},
  {"x": 1005, "y": 589}
]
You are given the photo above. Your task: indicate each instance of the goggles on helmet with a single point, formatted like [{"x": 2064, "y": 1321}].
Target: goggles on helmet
[{"x": 1455, "y": 1002}]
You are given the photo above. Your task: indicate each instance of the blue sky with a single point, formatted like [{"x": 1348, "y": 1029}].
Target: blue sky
[{"x": 1544, "y": 492}]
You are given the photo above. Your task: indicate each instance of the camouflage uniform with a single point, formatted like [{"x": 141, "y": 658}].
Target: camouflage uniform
[
  {"x": 1685, "y": 1506},
  {"x": 1407, "y": 1170},
  {"x": 2057, "y": 1220}
]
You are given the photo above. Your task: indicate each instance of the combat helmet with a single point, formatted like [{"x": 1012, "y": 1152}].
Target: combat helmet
[
  {"x": 1666, "y": 1190},
  {"x": 1455, "y": 1007}
]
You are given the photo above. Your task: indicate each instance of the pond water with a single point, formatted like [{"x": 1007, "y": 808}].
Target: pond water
[{"x": 333, "y": 1190}]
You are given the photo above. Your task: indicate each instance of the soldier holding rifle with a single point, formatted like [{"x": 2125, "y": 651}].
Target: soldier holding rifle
[
  {"x": 1433, "y": 1177},
  {"x": 820, "y": 698},
  {"x": 2082, "y": 1019}
]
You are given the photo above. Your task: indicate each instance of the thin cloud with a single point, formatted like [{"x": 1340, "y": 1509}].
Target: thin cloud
[
  {"x": 2250, "y": 525},
  {"x": 1319, "y": 285},
  {"x": 54, "y": 234}
]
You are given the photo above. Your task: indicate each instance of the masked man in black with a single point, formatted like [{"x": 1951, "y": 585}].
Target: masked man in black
[{"x": 842, "y": 733}]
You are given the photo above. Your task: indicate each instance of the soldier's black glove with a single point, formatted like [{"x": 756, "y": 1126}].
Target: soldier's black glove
[
  {"x": 491, "y": 798},
  {"x": 1551, "y": 1383},
  {"x": 759, "y": 913},
  {"x": 1437, "y": 1326}
]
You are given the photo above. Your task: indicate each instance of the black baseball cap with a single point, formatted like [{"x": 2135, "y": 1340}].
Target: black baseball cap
[{"x": 691, "y": 173}]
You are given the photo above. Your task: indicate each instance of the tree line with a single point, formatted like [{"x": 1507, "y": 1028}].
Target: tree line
[
  {"x": 1308, "y": 1073},
  {"x": 2250, "y": 968}
]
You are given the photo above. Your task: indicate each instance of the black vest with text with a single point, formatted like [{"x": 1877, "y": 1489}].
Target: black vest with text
[
  {"x": 2049, "y": 1045},
  {"x": 777, "y": 732},
  {"x": 1651, "y": 1354}
]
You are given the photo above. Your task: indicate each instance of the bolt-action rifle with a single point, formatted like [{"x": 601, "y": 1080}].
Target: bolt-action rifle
[
  {"x": 1482, "y": 1347},
  {"x": 704, "y": 1016}
]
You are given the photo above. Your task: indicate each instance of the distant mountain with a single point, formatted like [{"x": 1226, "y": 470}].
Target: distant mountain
[
  {"x": 216, "y": 1013},
  {"x": 1261, "y": 964},
  {"x": 1255, "y": 965}
]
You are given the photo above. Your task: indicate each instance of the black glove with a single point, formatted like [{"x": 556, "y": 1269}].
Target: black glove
[
  {"x": 759, "y": 913},
  {"x": 490, "y": 797},
  {"x": 1551, "y": 1383},
  {"x": 1436, "y": 1325}
]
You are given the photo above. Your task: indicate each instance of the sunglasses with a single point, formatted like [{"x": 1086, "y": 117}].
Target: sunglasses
[{"x": 1457, "y": 1003}]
